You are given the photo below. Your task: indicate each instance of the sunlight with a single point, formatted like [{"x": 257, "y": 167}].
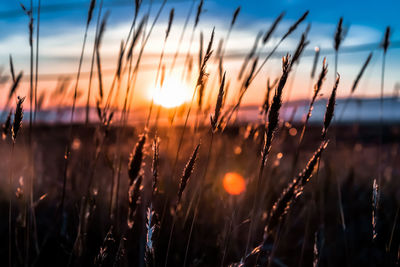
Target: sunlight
[{"x": 172, "y": 94}]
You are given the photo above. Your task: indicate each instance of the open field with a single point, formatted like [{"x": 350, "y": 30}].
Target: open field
[
  {"x": 221, "y": 224},
  {"x": 199, "y": 154}
]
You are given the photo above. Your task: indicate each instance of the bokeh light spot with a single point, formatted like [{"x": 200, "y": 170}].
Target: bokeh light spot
[
  {"x": 234, "y": 183},
  {"x": 237, "y": 150},
  {"x": 76, "y": 144}
]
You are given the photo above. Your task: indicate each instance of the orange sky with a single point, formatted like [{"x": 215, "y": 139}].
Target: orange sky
[{"x": 59, "y": 54}]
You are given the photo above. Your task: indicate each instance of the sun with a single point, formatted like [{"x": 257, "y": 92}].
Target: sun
[{"x": 173, "y": 93}]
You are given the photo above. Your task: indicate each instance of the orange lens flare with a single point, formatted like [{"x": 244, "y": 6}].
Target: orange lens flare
[{"x": 234, "y": 183}]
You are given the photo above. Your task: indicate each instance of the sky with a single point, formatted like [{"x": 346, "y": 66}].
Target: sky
[{"x": 62, "y": 25}]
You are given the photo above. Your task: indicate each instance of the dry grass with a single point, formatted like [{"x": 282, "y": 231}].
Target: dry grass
[{"x": 100, "y": 194}]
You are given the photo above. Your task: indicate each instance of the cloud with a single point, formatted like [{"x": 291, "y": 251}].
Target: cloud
[{"x": 59, "y": 50}]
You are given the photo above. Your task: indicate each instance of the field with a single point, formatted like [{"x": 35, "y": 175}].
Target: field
[
  {"x": 190, "y": 182},
  {"x": 221, "y": 225}
]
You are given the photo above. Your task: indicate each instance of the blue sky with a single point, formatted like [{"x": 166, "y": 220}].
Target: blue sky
[
  {"x": 375, "y": 14},
  {"x": 62, "y": 26}
]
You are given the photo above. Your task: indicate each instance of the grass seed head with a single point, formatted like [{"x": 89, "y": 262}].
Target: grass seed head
[
  {"x": 90, "y": 12},
  {"x": 218, "y": 106},
  {"x": 356, "y": 81},
  {"x": 235, "y": 15},
  {"x": 199, "y": 11},
  {"x": 133, "y": 200},
  {"x": 271, "y": 30},
  {"x": 338, "y": 34},
  {"x": 170, "y": 20},
  {"x": 330, "y": 108},
  {"x": 18, "y": 116},
  {"x": 136, "y": 159},
  {"x": 386, "y": 40},
  {"x": 187, "y": 172},
  {"x": 295, "y": 25},
  {"x": 155, "y": 163}
]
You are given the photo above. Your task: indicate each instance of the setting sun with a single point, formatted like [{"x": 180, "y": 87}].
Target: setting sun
[
  {"x": 234, "y": 183},
  {"x": 172, "y": 94}
]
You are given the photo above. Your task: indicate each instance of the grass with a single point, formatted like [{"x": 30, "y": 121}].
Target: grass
[{"x": 106, "y": 193}]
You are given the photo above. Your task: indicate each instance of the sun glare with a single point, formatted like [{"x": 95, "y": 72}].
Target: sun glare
[{"x": 172, "y": 94}]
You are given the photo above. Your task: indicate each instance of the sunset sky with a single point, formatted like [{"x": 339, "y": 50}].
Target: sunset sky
[{"x": 62, "y": 26}]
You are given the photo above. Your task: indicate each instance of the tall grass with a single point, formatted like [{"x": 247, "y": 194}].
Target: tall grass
[
  {"x": 187, "y": 172},
  {"x": 124, "y": 206},
  {"x": 67, "y": 149},
  {"x": 168, "y": 30},
  {"x": 95, "y": 45},
  {"x": 16, "y": 126}
]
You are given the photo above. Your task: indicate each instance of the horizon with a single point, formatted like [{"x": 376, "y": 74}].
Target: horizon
[{"x": 61, "y": 38}]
